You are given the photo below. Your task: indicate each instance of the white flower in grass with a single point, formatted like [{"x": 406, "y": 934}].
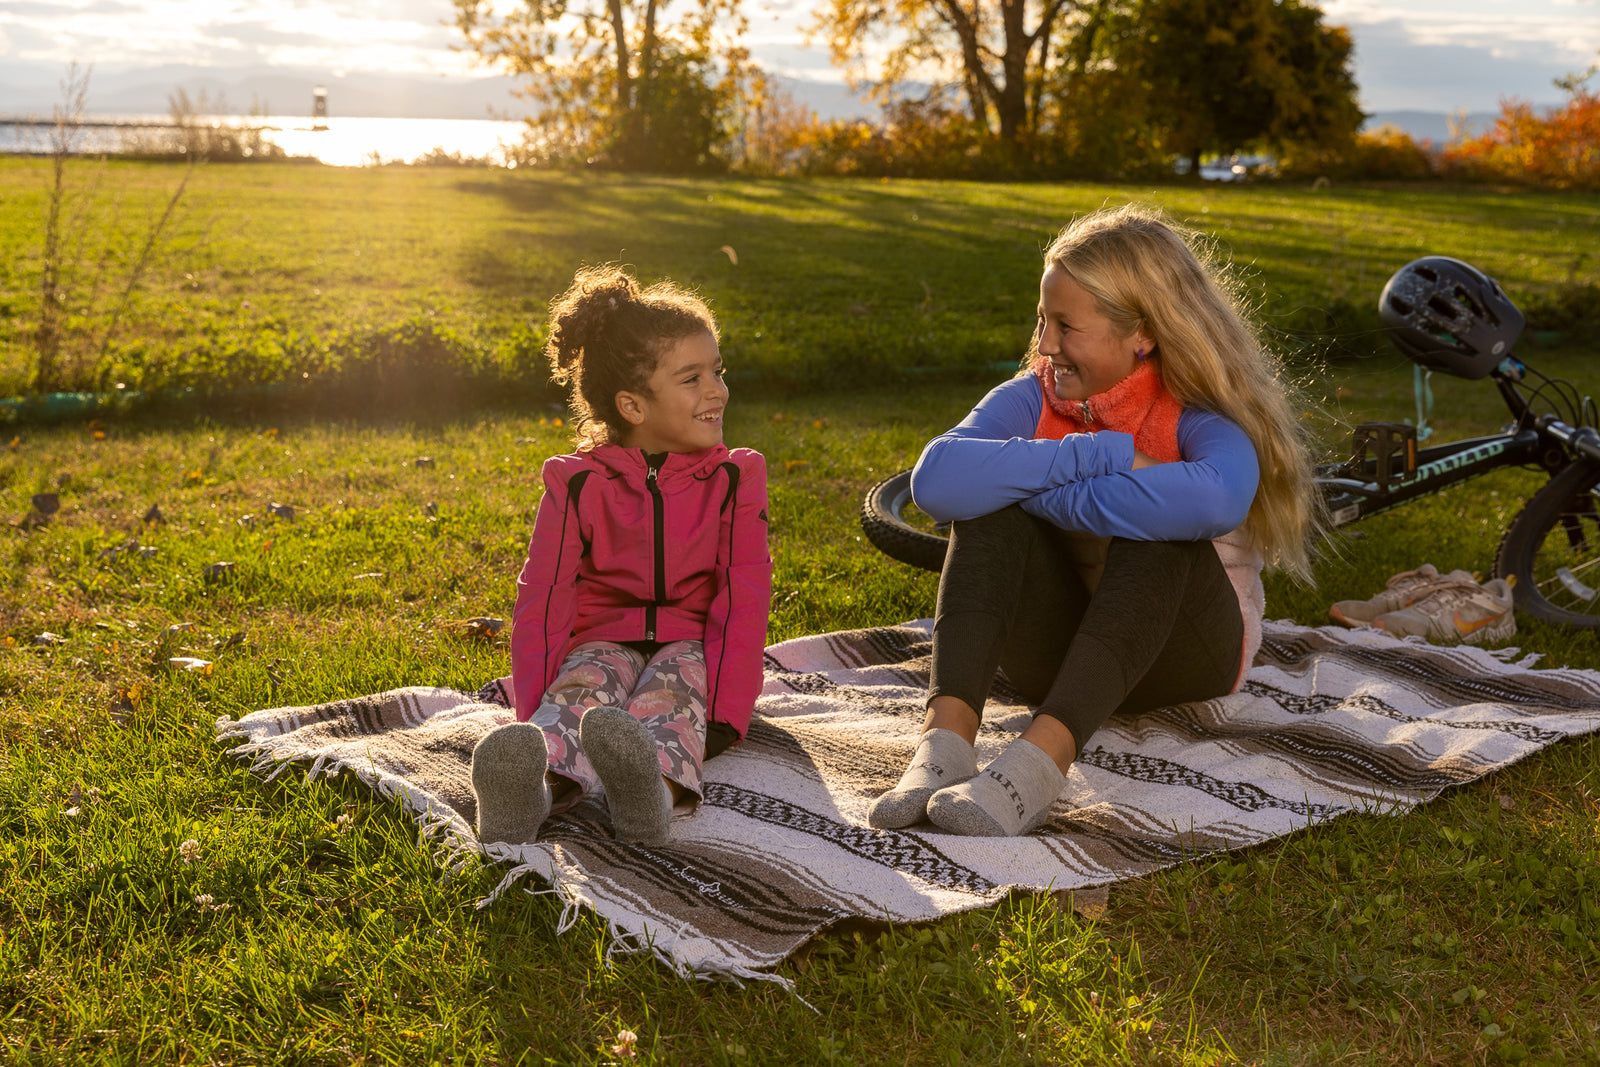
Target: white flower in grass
[
  {"x": 345, "y": 821},
  {"x": 189, "y": 850},
  {"x": 208, "y": 903},
  {"x": 624, "y": 1048}
]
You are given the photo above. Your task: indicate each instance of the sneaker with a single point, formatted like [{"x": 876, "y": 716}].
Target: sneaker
[
  {"x": 1403, "y": 590},
  {"x": 1472, "y": 613}
]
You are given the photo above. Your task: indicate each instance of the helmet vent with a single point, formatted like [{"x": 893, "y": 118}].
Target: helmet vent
[
  {"x": 1472, "y": 305},
  {"x": 1443, "y": 306}
]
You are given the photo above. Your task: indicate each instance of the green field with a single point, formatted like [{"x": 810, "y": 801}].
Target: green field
[
  {"x": 1464, "y": 933},
  {"x": 273, "y": 271}
]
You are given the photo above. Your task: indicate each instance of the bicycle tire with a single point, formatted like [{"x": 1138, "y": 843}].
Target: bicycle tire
[
  {"x": 891, "y": 534},
  {"x": 1552, "y": 548}
]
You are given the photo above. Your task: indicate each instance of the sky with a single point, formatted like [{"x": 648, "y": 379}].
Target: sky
[{"x": 1430, "y": 55}]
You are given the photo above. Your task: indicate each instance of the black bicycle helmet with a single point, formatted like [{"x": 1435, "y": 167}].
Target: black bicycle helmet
[{"x": 1449, "y": 316}]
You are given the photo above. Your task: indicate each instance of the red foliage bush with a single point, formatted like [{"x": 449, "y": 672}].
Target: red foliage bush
[{"x": 1557, "y": 150}]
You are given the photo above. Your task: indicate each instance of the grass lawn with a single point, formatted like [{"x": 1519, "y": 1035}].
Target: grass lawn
[
  {"x": 307, "y": 925},
  {"x": 270, "y": 271}
]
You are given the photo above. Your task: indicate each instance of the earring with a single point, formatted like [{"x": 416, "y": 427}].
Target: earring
[{"x": 1139, "y": 354}]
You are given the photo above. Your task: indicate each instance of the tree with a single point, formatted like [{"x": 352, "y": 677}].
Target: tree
[
  {"x": 1225, "y": 75},
  {"x": 612, "y": 81},
  {"x": 1002, "y": 48}
]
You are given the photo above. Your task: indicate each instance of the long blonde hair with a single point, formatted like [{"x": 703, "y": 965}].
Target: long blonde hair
[{"x": 1143, "y": 271}]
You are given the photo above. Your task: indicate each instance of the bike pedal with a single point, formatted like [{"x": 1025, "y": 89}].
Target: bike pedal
[{"x": 1392, "y": 447}]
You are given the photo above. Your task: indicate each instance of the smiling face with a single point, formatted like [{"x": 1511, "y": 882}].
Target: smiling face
[
  {"x": 1080, "y": 342},
  {"x": 680, "y": 409}
]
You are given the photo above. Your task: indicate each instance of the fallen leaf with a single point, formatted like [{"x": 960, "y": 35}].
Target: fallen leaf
[
  {"x": 1090, "y": 903},
  {"x": 282, "y": 511},
  {"x": 171, "y": 632},
  {"x": 154, "y": 516},
  {"x": 369, "y": 574},
  {"x": 46, "y": 503},
  {"x": 424, "y": 462},
  {"x": 221, "y": 569},
  {"x": 47, "y": 639},
  {"x": 190, "y": 663},
  {"x": 1505, "y": 802},
  {"x": 432, "y": 509},
  {"x": 483, "y": 626},
  {"x": 16, "y": 443},
  {"x": 792, "y": 465},
  {"x": 235, "y": 638},
  {"x": 733, "y": 257}
]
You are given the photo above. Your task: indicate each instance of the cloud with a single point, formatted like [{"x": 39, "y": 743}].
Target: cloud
[
  {"x": 1444, "y": 55},
  {"x": 1396, "y": 70},
  {"x": 34, "y": 8}
]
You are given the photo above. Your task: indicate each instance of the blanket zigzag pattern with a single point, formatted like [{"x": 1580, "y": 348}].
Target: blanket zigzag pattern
[{"x": 1329, "y": 721}]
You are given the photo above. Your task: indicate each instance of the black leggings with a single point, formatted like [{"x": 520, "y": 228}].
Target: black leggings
[{"x": 1162, "y": 627}]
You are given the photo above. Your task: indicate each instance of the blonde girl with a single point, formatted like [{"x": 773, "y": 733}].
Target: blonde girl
[{"x": 1113, "y": 507}]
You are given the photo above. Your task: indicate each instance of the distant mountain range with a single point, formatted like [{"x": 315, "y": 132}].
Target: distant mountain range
[
  {"x": 282, "y": 91},
  {"x": 1431, "y": 125}
]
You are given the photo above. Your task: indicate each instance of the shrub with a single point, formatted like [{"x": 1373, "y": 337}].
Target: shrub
[
  {"x": 1557, "y": 149},
  {"x": 1385, "y": 154}
]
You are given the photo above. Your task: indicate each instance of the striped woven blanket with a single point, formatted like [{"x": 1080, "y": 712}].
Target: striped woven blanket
[{"x": 1329, "y": 721}]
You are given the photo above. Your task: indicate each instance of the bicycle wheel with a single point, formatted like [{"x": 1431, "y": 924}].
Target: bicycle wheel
[
  {"x": 883, "y": 521},
  {"x": 1553, "y": 550}
]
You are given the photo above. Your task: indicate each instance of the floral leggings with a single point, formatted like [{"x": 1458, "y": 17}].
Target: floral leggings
[{"x": 666, "y": 692}]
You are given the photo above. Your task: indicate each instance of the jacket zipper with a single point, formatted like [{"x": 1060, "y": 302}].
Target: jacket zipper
[
  {"x": 1087, "y": 417},
  {"x": 660, "y": 551}
]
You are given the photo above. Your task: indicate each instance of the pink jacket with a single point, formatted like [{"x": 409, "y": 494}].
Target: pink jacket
[{"x": 619, "y": 555}]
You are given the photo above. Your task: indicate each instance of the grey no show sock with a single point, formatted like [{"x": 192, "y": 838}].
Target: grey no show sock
[
  {"x": 1010, "y": 797},
  {"x": 508, "y": 778},
  {"x": 943, "y": 758},
  {"x": 624, "y": 756}
]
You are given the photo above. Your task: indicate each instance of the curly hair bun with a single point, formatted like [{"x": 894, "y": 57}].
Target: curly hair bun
[{"x": 579, "y": 316}]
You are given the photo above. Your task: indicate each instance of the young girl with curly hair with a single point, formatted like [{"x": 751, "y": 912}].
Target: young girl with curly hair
[{"x": 641, "y": 611}]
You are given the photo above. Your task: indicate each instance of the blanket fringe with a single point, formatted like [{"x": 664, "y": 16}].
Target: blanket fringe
[
  {"x": 621, "y": 941},
  {"x": 269, "y": 762}
]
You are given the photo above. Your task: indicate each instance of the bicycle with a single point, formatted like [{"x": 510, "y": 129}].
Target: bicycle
[{"x": 1550, "y": 552}]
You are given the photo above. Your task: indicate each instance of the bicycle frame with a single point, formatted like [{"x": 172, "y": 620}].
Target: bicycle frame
[{"x": 1364, "y": 486}]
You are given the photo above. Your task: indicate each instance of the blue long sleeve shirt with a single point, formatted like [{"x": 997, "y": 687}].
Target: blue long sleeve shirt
[{"x": 1086, "y": 481}]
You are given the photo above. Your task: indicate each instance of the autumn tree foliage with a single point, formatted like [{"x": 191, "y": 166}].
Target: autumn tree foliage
[
  {"x": 1109, "y": 88},
  {"x": 617, "y": 81},
  {"x": 1228, "y": 75},
  {"x": 994, "y": 50},
  {"x": 1558, "y": 149}
]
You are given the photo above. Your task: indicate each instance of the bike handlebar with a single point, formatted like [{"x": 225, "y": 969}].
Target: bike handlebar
[{"x": 1582, "y": 439}]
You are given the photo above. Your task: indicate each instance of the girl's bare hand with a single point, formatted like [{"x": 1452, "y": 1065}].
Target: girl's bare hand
[{"x": 1142, "y": 460}]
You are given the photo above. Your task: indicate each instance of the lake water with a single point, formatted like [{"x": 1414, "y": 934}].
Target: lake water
[{"x": 338, "y": 142}]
